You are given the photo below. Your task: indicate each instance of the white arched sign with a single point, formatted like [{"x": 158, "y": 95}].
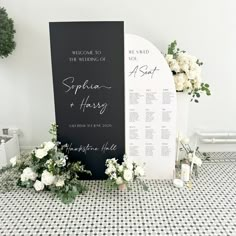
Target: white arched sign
[{"x": 150, "y": 100}]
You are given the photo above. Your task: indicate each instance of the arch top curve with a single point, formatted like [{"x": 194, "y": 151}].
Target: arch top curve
[{"x": 150, "y": 99}]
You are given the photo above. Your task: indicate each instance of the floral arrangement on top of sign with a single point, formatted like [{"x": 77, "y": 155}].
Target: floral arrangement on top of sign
[
  {"x": 121, "y": 175},
  {"x": 48, "y": 168},
  {"x": 186, "y": 70}
]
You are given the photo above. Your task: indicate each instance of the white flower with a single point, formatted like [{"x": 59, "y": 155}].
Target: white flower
[
  {"x": 120, "y": 168},
  {"x": 180, "y": 86},
  {"x": 113, "y": 160},
  {"x": 174, "y": 66},
  {"x": 60, "y": 182},
  {"x": 197, "y": 84},
  {"x": 40, "y": 153},
  {"x": 196, "y": 160},
  {"x": 119, "y": 181},
  {"x": 184, "y": 67},
  {"x": 13, "y": 161},
  {"x": 139, "y": 171},
  {"x": 28, "y": 174},
  {"x": 185, "y": 140},
  {"x": 49, "y": 145},
  {"x": 190, "y": 156},
  {"x": 113, "y": 176},
  {"x": 192, "y": 75},
  {"x": 49, "y": 162},
  {"x": 61, "y": 162},
  {"x": 38, "y": 185},
  {"x": 128, "y": 164},
  {"x": 128, "y": 176},
  {"x": 107, "y": 171},
  {"x": 179, "y": 78},
  {"x": 188, "y": 85},
  {"x": 111, "y": 168},
  {"x": 47, "y": 178},
  {"x": 169, "y": 57}
]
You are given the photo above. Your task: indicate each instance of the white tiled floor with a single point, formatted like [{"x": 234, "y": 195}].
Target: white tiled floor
[{"x": 208, "y": 209}]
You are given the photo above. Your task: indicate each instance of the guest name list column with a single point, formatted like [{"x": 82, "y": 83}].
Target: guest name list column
[{"x": 143, "y": 116}]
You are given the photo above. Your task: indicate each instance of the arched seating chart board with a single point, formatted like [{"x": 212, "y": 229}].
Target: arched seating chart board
[{"x": 150, "y": 100}]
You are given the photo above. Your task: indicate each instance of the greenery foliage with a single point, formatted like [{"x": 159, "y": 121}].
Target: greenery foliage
[
  {"x": 46, "y": 168},
  {"x": 7, "y": 31}
]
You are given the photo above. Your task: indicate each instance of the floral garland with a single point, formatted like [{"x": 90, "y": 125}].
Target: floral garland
[
  {"x": 186, "y": 70},
  {"x": 47, "y": 168}
]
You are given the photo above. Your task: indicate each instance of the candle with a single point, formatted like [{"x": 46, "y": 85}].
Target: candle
[
  {"x": 178, "y": 144},
  {"x": 185, "y": 172},
  {"x": 178, "y": 183}
]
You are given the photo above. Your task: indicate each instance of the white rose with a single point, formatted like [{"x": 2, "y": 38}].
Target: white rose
[
  {"x": 192, "y": 75},
  {"x": 107, "y": 171},
  {"x": 197, "y": 84},
  {"x": 119, "y": 181},
  {"x": 188, "y": 85},
  {"x": 128, "y": 176},
  {"x": 40, "y": 153},
  {"x": 139, "y": 171},
  {"x": 190, "y": 156},
  {"x": 169, "y": 57},
  {"x": 185, "y": 140},
  {"x": 184, "y": 67},
  {"x": 13, "y": 161},
  {"x": 38, "y": 185},
  {"x": 23, "y": 178},
  {"x": 120, "y": 168},
  {"x": 49, "y": 145},
  {"x": 129, "y": 165},
  {"x": 179, "y": 78},
  {"x": 28, "y": 174},
  {"x": 180, "y": 86},
  {"x": 196, "y": 160},
  {"x": 174, "y": 66},
  {"x": 113, "y": 176},
  {"x": 60, "y": 182},
  {"x": 47, "y": 178},
  {"x": 111, "y": 168}
]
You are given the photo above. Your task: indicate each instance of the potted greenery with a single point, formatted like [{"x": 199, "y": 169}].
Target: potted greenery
[{"x": 7, "y": 31}]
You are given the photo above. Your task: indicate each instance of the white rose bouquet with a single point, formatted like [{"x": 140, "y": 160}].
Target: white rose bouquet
[
  {"x": 186, "y": 70},
  {"x": 48, "y": 168},
  {"x": 121, "y": 175}
]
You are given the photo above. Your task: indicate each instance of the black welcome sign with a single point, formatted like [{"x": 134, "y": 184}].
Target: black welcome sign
[{"x": 88, "y": 79}]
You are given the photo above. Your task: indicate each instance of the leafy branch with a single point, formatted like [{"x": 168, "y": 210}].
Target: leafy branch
[{"x": 196, "y": 93}]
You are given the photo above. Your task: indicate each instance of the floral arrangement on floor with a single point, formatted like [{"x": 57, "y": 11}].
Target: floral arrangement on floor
[
  {"x": 48, "y": 168},
  {"x": 186, "y": 70},
  {"x": 121, "y": 175},
  {"x": 191, "y": 156}
]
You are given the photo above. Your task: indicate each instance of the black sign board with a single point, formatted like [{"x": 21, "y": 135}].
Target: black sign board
[{"x": 88, "y": 80}]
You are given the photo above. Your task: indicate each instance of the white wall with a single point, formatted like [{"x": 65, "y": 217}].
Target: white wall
[{"x": 204, "y": 28}]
